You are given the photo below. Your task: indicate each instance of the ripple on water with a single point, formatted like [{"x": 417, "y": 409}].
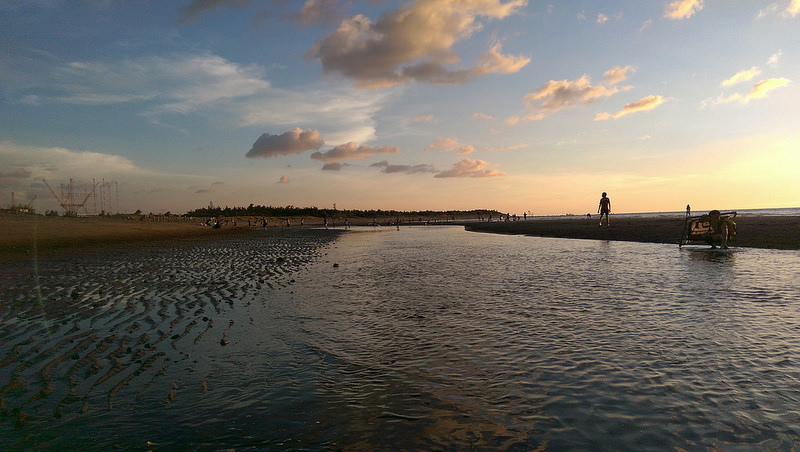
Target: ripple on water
[{"x": 423, "y": 338}]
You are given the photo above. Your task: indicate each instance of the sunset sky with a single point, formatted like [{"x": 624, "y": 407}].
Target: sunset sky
[{"x": 514, "y": 105}]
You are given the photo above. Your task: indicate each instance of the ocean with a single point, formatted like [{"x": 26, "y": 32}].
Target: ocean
[{"x": 412, "y": 339}]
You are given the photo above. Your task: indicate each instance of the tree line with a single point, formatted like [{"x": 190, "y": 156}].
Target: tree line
[{"x": 292, "y": 211}]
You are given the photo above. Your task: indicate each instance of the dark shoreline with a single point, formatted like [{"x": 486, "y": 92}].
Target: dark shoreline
[{"x": 769, "y": 232}]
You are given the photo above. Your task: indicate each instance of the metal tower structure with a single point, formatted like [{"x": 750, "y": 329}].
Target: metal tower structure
[{"x": 71, "y": 199}]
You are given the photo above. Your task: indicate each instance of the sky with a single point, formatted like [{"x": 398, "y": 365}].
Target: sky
[{"x": 522, "y": 106}]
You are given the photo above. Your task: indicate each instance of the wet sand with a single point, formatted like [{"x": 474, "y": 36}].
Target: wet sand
[
  {"x": 119, "y": 316},
  {"x": 770, "y": 232}
]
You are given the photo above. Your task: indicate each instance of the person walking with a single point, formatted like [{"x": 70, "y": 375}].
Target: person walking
[{"x": 604, "y": 208}]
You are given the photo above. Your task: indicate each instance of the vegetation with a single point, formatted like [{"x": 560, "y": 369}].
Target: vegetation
[{"x": 292, "y": 211}]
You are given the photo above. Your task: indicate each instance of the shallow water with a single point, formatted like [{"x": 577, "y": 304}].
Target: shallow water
[{"x": 424, "y": 338}]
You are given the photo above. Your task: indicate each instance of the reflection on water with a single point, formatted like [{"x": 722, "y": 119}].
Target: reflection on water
[{"x": 431, "y": 338}]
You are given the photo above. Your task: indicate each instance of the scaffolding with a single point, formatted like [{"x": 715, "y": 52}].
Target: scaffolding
[
  {"x": 109, "y": 197},
  {"x": 74, "y": 196}
]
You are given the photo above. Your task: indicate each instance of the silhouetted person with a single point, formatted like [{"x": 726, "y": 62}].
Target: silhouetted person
[{"x": 604, "y": 208}]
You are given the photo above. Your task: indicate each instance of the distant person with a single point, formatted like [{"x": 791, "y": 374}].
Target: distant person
[
  {"x": 604, "y": 208},
  {"x": 722, "y": 229}
]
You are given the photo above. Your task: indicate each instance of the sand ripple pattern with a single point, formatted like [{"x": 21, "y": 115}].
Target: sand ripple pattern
[{"x": 79, "y": 331}]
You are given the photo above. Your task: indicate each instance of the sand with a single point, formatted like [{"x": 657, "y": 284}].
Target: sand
[
  {"x": 21, "y": 234},
  {"x": 770, "y": 232},
  {"x": 110, "y": 314}
]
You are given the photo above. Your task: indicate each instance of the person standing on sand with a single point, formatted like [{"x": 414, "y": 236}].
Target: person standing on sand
[{"x": 604, "y": 208}]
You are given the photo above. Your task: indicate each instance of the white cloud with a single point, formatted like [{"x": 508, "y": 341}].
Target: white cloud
[
  {"x": 482, "y": 116},
  {"x": 284, "y": 179},
  {"x": 414, "y": 43},
  {"x": 775, "y": 57},
  {"x": 471, "y": 168},
  {"x": 682, "y": 9},
  {"x": 164, "y": 87},
  {"x": 602, "y": 18},
  {"x": 180, "y": 84}
]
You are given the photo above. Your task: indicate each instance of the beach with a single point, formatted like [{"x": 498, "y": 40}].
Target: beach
[
  {"x": 763, "y": 231},
  {"x": 21, "y": 234}
]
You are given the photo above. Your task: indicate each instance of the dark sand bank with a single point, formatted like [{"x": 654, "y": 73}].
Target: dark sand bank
[
  {"x": 20, "y": 235},
  {"x": 773, "y": 232}
]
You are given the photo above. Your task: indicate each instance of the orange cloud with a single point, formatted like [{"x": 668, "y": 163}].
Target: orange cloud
[
  {"x": 450, "y": 144},
  {"x": 561, "y": 94},
  {"x": 682, "y": 9},
  {"x": 471, "y": 168},
  {"x": 742, "y": 76},
  {"x": 617, "y": 74},
  {"x": 759, "y": 91},
  {"x": 643, "y": 104},
  {"x": 414, "y": 43}
]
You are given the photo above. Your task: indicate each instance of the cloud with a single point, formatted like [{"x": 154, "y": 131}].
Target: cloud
[
  {"x": 482, "y": 116},
  {"x": 210, "y": 189},
  {"x": 742, "y": 76},
  {"x": 617, "y": 74},
  {"x": 167, "y": 86},
  {"x": 682, "y": 9},
  {"x": 494, "y": 62},
  {"x": 198, "y": 7},
  {"x": 562, "y": 94},
  {"x": 414, "y": 43},
  {"x": 793, "y": 9},
  {"x": 332, "y": 166},
  {"x": 352, "y": 151},
  {"x": 180, "y": 84},
  {"x": 388, "y": 168},
  {"x": 449, "y": 144},
  {"x": 514, "y": 120},
  {"x": 284, "y": 179},
  {"x": 759, "y": 91},
  {"x": 645, "y": 25},
  {"x": 319, "y": 11},
  {"x": 10, "y": 178},
  {"x": 643, "y": 104},
  {"x": 602, "y": 18},
  {"x": 471, "y": 168},
  {"x": 291, "y": 142},
  {"x": 424, "y": 118},
  {"x": 510, "y": 147},
  {"x": 775, "y": 57}
]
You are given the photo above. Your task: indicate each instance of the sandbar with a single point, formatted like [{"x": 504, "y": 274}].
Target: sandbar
[{"x": 758, "y": 231}]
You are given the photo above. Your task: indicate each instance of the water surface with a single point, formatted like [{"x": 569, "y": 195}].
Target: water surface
[{"x": 430, "y": 338}]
